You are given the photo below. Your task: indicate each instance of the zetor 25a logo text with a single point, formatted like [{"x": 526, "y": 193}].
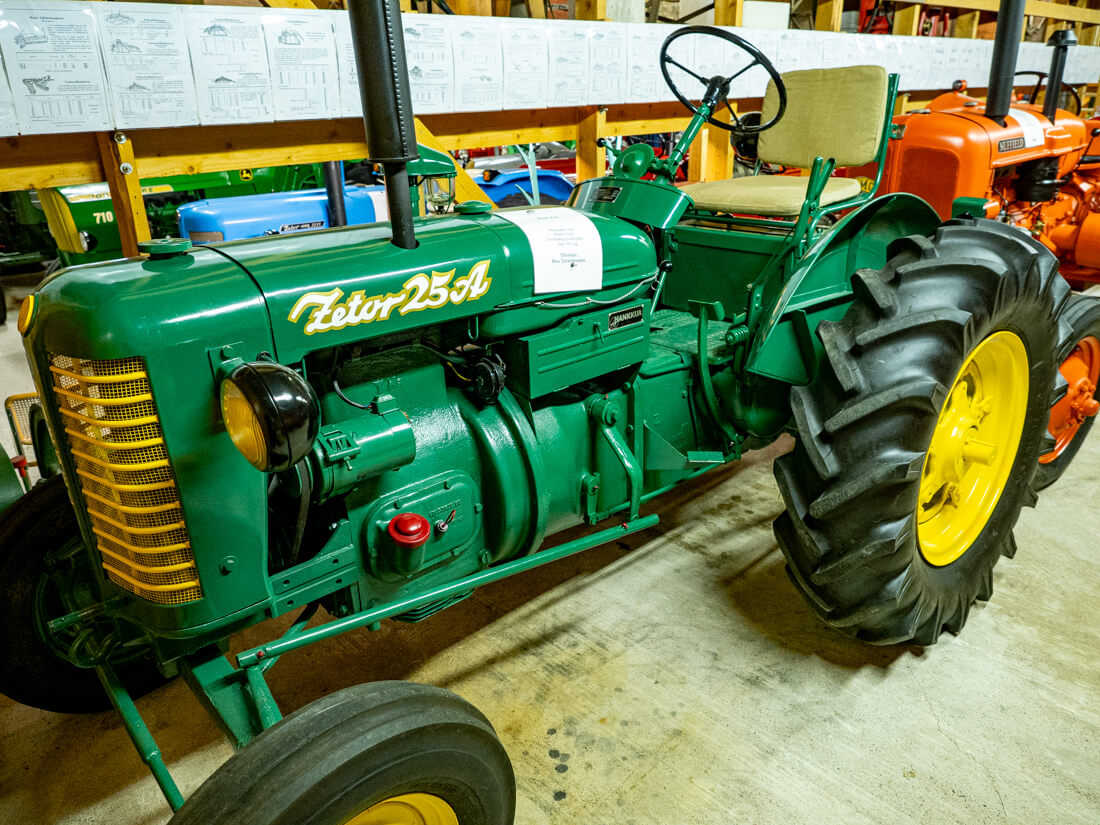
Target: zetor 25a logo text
[{"x": 419, "y": 292}]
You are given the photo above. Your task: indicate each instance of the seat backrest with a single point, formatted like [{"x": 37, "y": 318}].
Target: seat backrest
[{"x": 831, "y": 113}]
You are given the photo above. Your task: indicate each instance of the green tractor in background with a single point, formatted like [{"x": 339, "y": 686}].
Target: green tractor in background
[{"x": 376, "y": 421}]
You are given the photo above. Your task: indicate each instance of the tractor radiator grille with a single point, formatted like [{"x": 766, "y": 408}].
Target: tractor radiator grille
[{"x": 114, "y": 434}]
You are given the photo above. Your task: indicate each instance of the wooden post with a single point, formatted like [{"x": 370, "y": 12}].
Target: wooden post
[
  {"x": 728, "y": 12},
  {"x": 481, "y": 8},
  {"x": 502, "y": 8},
  {"x": 289, "y": 4},
  {"x": 828, "y": 15},
  {"x": 711, "y": 156},
  {"x": 966, "y": 24},
  {"x": 116, "y": 152},
  {"x": 590, "y": 9},
  {"x": 591, "y": 157},
  {"x": 535, "y": 9},
  {"x": 466, "y": 188},
  {"x": 907, "y": 19}
]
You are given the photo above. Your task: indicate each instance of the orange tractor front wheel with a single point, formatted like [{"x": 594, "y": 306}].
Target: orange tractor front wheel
[{"x": 1075, "y": 405}]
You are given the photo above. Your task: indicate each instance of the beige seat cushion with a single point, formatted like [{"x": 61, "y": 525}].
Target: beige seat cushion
[
  {"x": 772, "y": 195},
  {"x": 831, "y": 113}
]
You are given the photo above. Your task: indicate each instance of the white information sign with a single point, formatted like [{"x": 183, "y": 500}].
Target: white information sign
[
  {"x": 351, "y": 102},
  {"x": 51, "y": 51},
  {"x": 9, "y": 123},
  {"x": 479, "y": 79},
  {"x": 148, "y": 65},
  {"x": 301, "y": 50},
  {"x": 565, "y": 246},
  {"x": 526, "y": 55},
  {"x": 428, "y": 54},
  {"x": 568, "y": 62},
  {"x": 1033, "y": 128},
  {"x": 232, "y": 78},
  {"x": 608, "y": 52}
]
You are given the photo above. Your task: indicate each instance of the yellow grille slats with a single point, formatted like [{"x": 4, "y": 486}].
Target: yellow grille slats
[{"x": 116, "y": 441}]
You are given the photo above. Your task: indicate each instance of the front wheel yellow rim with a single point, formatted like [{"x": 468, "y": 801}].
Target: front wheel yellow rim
[
  {"x": 973, "y": 448},
  {"x": 408, "y": 809}
]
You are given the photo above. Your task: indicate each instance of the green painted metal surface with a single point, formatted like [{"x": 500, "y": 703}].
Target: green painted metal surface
[{"x": 449, "y": 391}]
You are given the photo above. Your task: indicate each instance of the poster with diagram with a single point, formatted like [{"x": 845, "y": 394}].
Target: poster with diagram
[
  {"x": 351, "y": 101},
  {"x": 568, "y": 62},
  {"x": 229, "y": 59},
  {"x": 9, "y": 123},
  {"x": 608, "y": 50},
  {"x": 301, "y": 50},
  {"x": 477, "y": 50},
  {"x": 54, "y": 69},
  {"x": 526, "y": 53},
  {"x": 429, "y": 56},
  {"x": 148, "y": 66}
]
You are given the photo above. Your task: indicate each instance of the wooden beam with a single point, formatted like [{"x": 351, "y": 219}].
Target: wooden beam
[
  {"x": 466, "y": 188},
  {"x": 710, "y": 157},
  {"x": 590, "y": 9},
  {"x": 116, "y": 153},
  {"x": 966, "y": 24},
  {"x": 591, "y": 157},
  {"x": 907, "y": 19},
  {"x": 289, "y": 4},
  {"x": 728, "y": 12},
  {"x": 480, "y": 8},
  {"x": 828, "y": 15},
  {"x": 45, "y": 161},
  {"x": 502, "y": 8},
  {"x": 535, "y": 9}
]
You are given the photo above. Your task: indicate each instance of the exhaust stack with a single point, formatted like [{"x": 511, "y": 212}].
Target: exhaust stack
[
  {"x": 1006, "y": 47},
  {"x": 379, "y": 41},
  {"x": 1060, "y": 40}
]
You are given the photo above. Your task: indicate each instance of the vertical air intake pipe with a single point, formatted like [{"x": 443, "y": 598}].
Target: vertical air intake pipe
[
  {"x": 1006, "y": 46},
  {"x": 387, "y": 104},
  {"x": 1061, "y": 40}
]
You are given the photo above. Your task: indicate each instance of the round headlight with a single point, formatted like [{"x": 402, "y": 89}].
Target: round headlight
[
  {"x": 26, "y": 312},
  {"x": 271, "y": 413}
]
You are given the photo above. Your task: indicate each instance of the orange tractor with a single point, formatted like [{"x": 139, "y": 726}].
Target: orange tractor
[{"x": 1031, "y": 165}]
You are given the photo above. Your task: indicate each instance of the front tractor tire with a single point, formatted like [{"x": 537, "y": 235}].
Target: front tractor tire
[
  {"x": 44, "y": 574},
  {"x": 917, "y": 438},
  {"x": 384, "y": 753}
]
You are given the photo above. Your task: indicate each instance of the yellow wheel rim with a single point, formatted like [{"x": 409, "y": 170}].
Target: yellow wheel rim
[
  {"x": 973, "y": 448},
  {"x": 407, "y": 809}
]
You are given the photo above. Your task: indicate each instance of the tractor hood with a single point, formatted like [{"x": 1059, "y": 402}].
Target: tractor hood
[{"x": 334, "y": 287}]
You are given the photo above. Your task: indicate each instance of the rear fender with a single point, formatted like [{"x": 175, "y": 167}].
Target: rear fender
[{"x": 786, "y": 347}]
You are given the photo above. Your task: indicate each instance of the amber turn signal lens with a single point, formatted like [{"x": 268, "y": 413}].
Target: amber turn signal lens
[
  {"x": 26, "y": 312},
  {"x": 243, "y": 425}
]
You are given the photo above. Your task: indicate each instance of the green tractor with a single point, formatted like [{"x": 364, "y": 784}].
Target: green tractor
[{"x": 376, "y": 421}]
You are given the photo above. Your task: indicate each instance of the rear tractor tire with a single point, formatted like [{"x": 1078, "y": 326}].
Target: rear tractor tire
[
  {"x": 1074, "y": 407},
  {"x": 918, "y": 436},
  {"x": 385, "y": 753}
]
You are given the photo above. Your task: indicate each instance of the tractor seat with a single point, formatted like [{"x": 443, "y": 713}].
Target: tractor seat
[
  {"x": 766, "y": 194},
  {"x": 831, "y": 113}
]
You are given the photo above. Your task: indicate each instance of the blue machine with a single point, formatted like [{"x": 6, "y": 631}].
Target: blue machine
[
  {"x": 276, "y": 213},
  {"x": 554, "y": 187}
]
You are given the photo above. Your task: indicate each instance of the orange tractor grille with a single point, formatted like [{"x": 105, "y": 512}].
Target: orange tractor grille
[{"x": 114, "y": 435}]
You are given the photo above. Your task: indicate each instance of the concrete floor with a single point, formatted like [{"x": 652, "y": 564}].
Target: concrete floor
[{"x": 677, "y": 677}]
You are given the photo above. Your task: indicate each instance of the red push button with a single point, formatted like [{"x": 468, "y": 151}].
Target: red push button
[{"x": 409, "y": 530}]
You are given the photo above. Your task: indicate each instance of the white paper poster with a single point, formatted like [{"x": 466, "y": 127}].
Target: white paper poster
[
  {"x": 565, "y": 246},
  {"x": 232, "y": 78},
  {"x": 301, "y": 50},
  {"x": 428, "y": 54},
  {"x": 351, "y": 102},
  {"x": 568, "y": 62},
  {"x": 51, "y": 51},
  {"x": 608, "y": 55},
  {"x": 479, "y": 82},
  {"x": 1032, "y": 127},
  {"x": 795, "y": 52},
  {"x": 9, "y": 123},
  {"x": 148, "y": 66},
  {"x": 525, "y": 52}
]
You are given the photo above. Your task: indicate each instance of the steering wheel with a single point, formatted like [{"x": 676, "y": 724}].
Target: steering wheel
[
  {"x": 1040, "y": 79},
  {"x": 718, "y": 87}
]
